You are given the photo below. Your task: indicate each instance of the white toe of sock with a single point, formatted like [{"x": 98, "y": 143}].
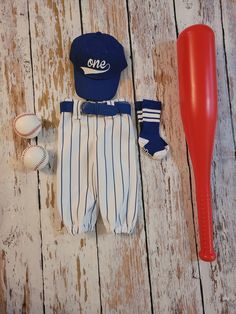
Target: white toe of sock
[
  {"x": 142, "y": 141},
  {"x": 161, "y": 153}
]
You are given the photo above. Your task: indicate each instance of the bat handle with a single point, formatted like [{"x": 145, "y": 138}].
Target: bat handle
[{"x": 203, "y": 194}]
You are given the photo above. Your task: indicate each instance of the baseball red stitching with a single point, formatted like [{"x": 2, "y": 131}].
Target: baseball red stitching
[
  {"x": 26, "y": 134},
  {"x": 41, "y": 161}
]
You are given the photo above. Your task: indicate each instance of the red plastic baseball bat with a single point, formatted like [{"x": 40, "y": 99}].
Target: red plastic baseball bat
[{"x": 198, "y": 105}]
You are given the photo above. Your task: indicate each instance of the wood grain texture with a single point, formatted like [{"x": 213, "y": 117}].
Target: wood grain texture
[
  {"x": 218, "y": 278},
  {"x": 43, "y": 269},
  {"x": 70, "y": 267},
  {"x": 21, "y": 286},
  {"x": 228, "y": 13}
]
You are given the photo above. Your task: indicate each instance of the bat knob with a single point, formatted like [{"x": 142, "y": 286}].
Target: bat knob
[{"x": 206, "y": 256}]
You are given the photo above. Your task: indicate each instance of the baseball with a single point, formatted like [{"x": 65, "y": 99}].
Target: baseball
[
  {"x": 35, "y": 157},
  {"x": 27, "y": 125}
]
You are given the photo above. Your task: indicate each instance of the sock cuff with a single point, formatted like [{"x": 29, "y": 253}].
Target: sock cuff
[{"x": 151, "y": 104}]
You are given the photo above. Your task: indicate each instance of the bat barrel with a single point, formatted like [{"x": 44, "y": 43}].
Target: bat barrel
[{"x": 198, "y": 105}]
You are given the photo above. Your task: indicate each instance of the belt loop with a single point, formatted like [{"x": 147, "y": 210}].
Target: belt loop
[{"x": 78, "y": 113}]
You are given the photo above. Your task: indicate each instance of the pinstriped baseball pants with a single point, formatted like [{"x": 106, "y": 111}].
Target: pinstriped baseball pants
[{"x": 97, "y": 170}]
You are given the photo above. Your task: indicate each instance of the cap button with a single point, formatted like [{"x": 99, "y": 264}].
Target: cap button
[{"x": 99, "y": 33}]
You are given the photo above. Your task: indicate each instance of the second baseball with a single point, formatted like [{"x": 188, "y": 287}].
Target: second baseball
[{"x": 35, "y": 157}]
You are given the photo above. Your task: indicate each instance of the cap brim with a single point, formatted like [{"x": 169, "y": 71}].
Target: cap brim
[{"x": 94, "y": 89}]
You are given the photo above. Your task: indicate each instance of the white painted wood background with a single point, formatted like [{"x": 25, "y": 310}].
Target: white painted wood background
[{"x": 43, "y": 269}]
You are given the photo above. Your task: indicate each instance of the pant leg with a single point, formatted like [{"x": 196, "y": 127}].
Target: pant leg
[
  {"x": 75, "y": 185},
  {"x": 118, "y": 173}
]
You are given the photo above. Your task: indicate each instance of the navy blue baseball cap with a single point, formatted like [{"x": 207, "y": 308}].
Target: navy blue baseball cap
[{"x": 98, "y": 61}]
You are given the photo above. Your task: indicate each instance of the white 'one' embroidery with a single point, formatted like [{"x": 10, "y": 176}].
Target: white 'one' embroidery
[{"x": 96, "y": 66}]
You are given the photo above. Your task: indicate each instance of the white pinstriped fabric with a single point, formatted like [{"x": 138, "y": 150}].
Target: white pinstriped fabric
[{"x": 97, "y": 169}]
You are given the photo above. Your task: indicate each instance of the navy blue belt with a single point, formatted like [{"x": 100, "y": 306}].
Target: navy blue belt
[{"x": 98, "y": 108}]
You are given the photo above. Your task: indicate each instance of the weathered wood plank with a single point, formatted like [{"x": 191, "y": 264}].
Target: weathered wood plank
[
  {"x": 171, "y": 241},
  {"x": 70, "y": 269},
  {"x": 229, "y": 26},
  {"x": 218, "y": 278},
  {"x": 122, "y": 259},
  {"x": 20, "y": 244}
]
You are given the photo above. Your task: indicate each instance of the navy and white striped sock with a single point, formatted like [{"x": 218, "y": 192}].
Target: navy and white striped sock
[{"x": 148, "y": 113}]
